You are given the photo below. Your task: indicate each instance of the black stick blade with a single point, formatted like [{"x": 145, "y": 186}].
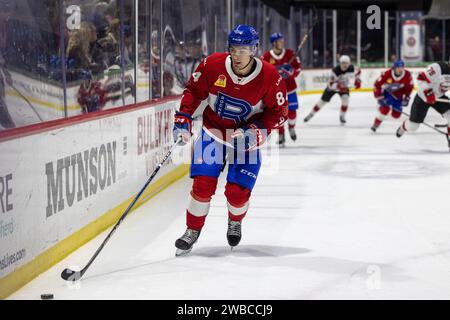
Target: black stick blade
[{"x": 70, "y": 275}]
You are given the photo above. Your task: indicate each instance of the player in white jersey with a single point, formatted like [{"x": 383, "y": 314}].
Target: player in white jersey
[
  {"x": 433, "y": 84},
  {"x": 341, "y": 77}
]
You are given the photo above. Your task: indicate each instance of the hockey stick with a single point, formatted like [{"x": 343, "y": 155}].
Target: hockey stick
[
  {"x": 28, "y": 102},
  {"x": 71, "y": 275},
  {"x": 443, "y": 100},
  {"x": 429, "y": 126},
  {"x": 21, "y": 95}
]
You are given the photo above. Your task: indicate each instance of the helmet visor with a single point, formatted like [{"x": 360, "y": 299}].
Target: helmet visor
[{"x": 241, "y": 50}]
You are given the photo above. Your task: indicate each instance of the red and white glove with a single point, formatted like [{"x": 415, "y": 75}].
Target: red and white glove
[
  {"x": 342, "y": 87},
  {"x": 182, "y": 127},
  {"x": 357, "y": 83},
  {"x": 248, "y": 138},
  {"x": 429, "y": 95}
]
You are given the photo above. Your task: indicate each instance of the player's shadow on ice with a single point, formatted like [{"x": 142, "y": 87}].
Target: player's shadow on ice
[
  {"x": 294, "y": 258},
  {"x": 254, "y": 251}
]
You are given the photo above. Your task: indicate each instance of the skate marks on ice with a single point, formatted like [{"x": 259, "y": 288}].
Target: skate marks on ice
[{"x": 381, "y": 169}]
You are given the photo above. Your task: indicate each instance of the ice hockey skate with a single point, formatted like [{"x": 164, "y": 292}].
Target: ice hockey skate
[
  {"x": 292, "y": 134},
  {"x": 281, "y": 140},
  {"x": 308, "y": 117},
  {"x": 400, "y": 132},
  {"x": 234, "y": 233},
  {"x": 186, "y": 242}
]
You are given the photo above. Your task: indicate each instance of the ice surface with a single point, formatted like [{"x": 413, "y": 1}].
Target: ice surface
[{"x": 350, "y": 214}]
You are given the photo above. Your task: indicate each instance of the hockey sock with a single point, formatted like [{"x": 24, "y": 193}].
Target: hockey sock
[
  {"x": 344, "y": 110},
  {"x": 382, "y": 113},
  {"x": 203, "y": 189},
  {"x": 292, "y": 118},
  {"x": 377, "y": 122},
  {"x": 237, "y": 201}
]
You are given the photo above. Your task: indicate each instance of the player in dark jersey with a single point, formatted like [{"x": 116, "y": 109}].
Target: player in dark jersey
[{"x": 341, "y": 77}]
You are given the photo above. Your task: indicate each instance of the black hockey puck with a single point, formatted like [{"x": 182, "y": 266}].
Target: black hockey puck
[{"x": 47, "y": 296}]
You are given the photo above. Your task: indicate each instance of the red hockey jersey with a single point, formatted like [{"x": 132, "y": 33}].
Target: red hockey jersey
[
  {"x": 396, "y": 86},
  {"x": 228, "y": 101},
  {"x": 92, "y": 98},
  {"x": 287, "y": 56}
]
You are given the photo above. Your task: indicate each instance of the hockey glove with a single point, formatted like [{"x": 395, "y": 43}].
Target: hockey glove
[
  {"x": 405, "y": 101},
  {"x": 248, "y": 138},
  {"x": 285, "y": 71},
  {"x": 429, "y": 95},
  {"x": 342, "y": 88},
  {"x": 357, "y": 84},
  {"x": 182, "y": 127},
  {"x": 382, "y": 101}
]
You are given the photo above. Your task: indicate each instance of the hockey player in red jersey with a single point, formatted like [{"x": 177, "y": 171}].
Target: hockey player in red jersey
[
  {"x": 242, "y": 99},
  {"x": 339, "y": 83},
  {"x": 91, "y": 95},
  {"x": 289, "y": 67},
  {"x": 392, "y": 90}
]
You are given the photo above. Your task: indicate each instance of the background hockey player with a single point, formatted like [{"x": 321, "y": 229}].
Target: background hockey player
[
  {"x": 92, "y": 94},
  {"x": 392, "y": 91},
  {"x": 339, "y": 83},
  {"x": 433, "y": 84},
  {"x": 289, "y": 68},
  {"x": 244, "y": 100}
]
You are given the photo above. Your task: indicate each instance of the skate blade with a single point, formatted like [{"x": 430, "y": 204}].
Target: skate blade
[{"x": 182, "y": 253}]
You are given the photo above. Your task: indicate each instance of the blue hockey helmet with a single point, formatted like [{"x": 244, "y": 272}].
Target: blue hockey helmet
[
  {"x": 398, "y": 64},
  {"x": 243, "y": 35},
  {"x": 276, "y": 36}
]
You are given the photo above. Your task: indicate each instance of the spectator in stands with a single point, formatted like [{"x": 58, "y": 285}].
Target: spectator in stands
[
  {"x": 79, "y": 47},
  {"x": 435, "y": 49},
  {"x": 109, "y": 45}
]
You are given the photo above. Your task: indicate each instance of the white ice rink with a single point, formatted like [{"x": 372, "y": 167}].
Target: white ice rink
[{"x": 350, "y": 215}]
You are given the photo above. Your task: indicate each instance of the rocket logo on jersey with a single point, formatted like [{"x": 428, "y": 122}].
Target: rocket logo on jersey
[
  {"x": 231, "y": 108},
  {"x": 221, "y": 82}
]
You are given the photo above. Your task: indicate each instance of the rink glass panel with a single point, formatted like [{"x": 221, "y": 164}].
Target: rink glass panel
[
  {"x": 434, "y": 37},
  {"x": 372, "y": 42},
  {"x": 29, "y": 46},
  {"x": 93, "y": 50},
  {"x": 346, "y": 34},
  {"x": 175, "y": 49},
  {"x": 322, "y": 55},
  {"x": 136, "y": 59}
]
